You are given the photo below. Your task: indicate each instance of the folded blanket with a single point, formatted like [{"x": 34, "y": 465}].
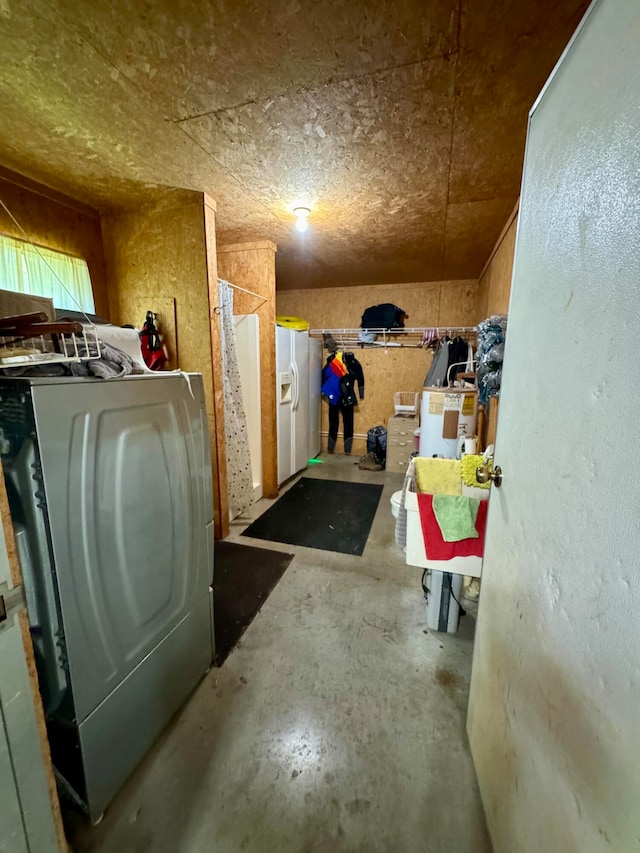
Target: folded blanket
[
  {"x": 468, "y": 466},
  {"x": 435, "y": 546},
  {"x": 438, "y": 476}
]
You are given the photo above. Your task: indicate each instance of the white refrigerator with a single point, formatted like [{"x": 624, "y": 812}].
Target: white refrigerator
[{"x": 298, "y": 380}]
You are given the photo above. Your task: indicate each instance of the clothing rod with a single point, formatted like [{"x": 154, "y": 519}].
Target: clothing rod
[
  {"x": 418, "y": 330},
  {"x": 250, "y": 292}
]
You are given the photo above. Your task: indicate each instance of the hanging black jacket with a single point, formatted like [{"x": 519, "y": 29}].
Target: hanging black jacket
[
  {"x": 347, "y": 383},
  {"x": 458, "y": 352}
]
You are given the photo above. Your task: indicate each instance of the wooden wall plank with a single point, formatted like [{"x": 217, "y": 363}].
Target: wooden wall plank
[
  {"x": 494, "y": 284},
  {"x": 252, "y": 266},
  {"x": 160, "y": 248},
  {"x": 494, "y": 293},
  {"x": 221, "y": 489}
]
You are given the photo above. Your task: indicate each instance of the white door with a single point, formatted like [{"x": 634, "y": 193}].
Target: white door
[
  {"x": 26, "y": 817},
  {"x": 285, "y": 391},
  {"x": 315, "y": 397},
  {"x": 301, "y": 402},
  {"x": 554, "y": 714}
]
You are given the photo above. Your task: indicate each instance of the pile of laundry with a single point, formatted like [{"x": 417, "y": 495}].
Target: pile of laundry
[
  {"x": 490, "y": 355},
  {"x": 109, "y": 362}
]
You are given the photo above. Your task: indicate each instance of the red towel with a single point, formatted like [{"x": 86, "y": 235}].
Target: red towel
[{"x": 435, "y": 546}]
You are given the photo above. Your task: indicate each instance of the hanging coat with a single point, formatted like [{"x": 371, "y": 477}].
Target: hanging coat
[
  {"x": 437, "y": 374},
  {"x": 458, "y": 356},
  {"x": 355, "y": 371}
]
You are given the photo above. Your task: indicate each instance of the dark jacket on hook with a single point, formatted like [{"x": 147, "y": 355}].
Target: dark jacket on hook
[
  {"x": 340, "y": 391},
  {"x": 355, "y": 373},
  {"x": 458, "y": 354}
]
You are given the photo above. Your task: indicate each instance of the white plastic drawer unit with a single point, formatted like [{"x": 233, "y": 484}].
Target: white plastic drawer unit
[
  {"x": 400, "y": 442},
  {"x": 110, "y": 491},
  {"x": 402, "y": 426}
]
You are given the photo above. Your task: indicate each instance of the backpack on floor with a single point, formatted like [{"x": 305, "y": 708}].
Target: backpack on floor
[{"x": 377, "y": 444}]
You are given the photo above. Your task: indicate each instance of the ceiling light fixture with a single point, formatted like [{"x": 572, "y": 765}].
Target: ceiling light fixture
[{"x": 301, "y": 222}]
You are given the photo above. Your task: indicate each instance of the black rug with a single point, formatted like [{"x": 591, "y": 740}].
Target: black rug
[
  {"x": 243, "y": 579},
  {"x": 326, "y": 514}
]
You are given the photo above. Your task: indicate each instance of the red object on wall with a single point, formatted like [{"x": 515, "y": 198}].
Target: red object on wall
[{"x": 153, "y": 351}]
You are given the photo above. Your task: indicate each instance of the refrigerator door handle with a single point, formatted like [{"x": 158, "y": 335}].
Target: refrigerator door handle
[{"x": 296, "y": 385}]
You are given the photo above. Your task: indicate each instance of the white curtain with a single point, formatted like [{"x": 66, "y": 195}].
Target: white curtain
[
  {"x": 239, "y": 475},
  {"x": 25, "y": 268}
]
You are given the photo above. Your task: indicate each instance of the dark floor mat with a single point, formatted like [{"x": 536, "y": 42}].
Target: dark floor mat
[
  {"x": 330, "y": 515},
  {"x": 243, "y": 579}
]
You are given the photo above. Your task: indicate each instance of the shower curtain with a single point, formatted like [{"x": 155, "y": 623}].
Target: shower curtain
[{"x": 239, "y": 475}]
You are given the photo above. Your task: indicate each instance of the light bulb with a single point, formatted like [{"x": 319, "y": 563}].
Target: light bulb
[{"x": 301, "y": 222}]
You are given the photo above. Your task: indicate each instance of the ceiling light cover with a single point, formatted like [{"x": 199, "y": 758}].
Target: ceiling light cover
[{"x": 302, "y": 214}]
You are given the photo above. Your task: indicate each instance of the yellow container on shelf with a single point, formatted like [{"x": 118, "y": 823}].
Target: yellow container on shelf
[{"x": 296, "y": 323}]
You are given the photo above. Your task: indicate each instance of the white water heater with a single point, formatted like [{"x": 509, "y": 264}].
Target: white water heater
[{"x": 445, "y": 415}]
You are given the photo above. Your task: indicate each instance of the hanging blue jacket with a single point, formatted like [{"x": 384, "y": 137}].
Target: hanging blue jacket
[{"x": 331, "y": 386}]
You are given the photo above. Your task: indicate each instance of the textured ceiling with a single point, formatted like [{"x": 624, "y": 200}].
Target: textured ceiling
[{"x": 402, "y": 123}]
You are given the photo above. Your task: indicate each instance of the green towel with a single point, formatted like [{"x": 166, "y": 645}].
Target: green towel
[{"x": 456, "y": 517}]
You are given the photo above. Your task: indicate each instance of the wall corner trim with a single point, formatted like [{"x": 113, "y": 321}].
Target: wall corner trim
[{"x": 248, "y": 247}]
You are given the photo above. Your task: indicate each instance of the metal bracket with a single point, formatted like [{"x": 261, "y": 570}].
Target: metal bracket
[{"x": 12, "y": 601}]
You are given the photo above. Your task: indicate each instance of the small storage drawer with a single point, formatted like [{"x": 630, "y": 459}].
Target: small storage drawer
[
  {"x": 397, "y": 467},
  {"x": 400, "y": 442},
  {"x": 402, "y": 433},
  {"x": 402, "y": 427},
  {"x": 398, "y": 456}
]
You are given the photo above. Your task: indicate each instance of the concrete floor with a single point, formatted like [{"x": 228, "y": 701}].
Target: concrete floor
[{"x": 337, "y": 723}]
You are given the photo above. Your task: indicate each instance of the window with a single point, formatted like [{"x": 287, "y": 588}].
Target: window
[{"x": 25, "y": 268}]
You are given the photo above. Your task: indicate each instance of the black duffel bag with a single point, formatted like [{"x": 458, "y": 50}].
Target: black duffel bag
[{"x": 385, "y": 316}]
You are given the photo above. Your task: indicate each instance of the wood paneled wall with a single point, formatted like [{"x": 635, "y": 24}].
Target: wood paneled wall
[
  {"x": 386, "y": 371},
  {"x": 55, "y": 221},
  {"x": 253, "y": 266},
  {"x": 494, "y": 292},
  {"x": 159, "y": 252},
  {"x": 494, "y": 284},
  {"x": 219, "y": 456}
]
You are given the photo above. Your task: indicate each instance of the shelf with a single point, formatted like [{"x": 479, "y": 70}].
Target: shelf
[
  {"x": 391, "y": 337},
  {"x": 50, "y": 349}
]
